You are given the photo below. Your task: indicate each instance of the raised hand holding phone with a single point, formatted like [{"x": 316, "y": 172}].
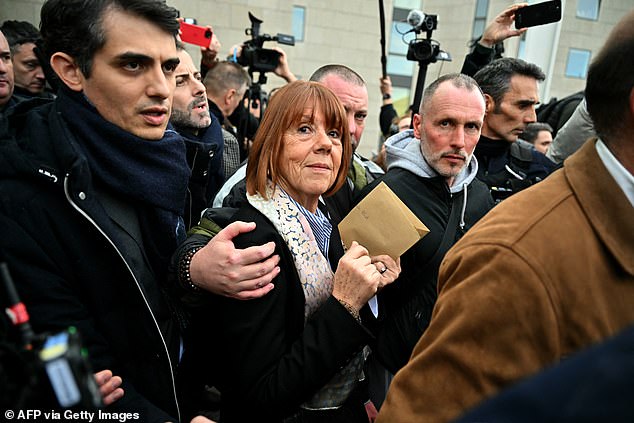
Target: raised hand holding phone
[
  {"x": 538, "y": 14},
  {"x": 195, "y": 34}
]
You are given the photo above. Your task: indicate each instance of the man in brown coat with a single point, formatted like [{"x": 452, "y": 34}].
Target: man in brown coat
[{"x": 545, "y": 274}]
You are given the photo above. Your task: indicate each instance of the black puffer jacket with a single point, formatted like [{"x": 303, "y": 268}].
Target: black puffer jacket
[{"x": 62, "y": 250}]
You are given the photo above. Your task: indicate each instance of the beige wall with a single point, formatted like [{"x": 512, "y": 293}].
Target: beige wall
[
  {"x": 347, "y": 31},
  {"x": 583, "y": 34}
]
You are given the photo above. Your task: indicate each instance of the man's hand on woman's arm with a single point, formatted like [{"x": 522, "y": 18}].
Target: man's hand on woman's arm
[{"x": 222, "y": 269}]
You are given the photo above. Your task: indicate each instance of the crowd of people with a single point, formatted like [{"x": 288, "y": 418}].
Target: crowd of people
[{"x": 193, "y": 241}]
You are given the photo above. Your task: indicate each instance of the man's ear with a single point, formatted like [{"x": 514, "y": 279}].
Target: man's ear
[
  {"x": 67, "y": 70},
  {"x": 416, "y": 124},
  {"x": 231, "y": 92},
  {"x": 490, "y": 104}
]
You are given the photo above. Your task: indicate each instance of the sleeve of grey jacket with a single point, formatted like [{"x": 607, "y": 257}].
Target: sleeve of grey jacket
[{"x": 572, "y": 135}]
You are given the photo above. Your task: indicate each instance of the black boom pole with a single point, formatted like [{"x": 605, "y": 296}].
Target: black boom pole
[{"x": 382, "y": 23}]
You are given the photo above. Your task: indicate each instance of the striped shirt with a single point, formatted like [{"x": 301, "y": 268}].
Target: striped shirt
[{"x": 319, "y": 224}]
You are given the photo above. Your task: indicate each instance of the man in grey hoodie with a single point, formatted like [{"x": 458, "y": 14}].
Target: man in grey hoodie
[{"x": 431, "y": 168}]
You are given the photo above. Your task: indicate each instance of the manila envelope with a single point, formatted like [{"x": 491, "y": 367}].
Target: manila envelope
[{"x": 382, "y": 223}]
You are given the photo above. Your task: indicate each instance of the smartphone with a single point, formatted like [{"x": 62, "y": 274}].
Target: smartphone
[
  {"x": 195, "y": 34},
  {"x": 538, "y": 14}
]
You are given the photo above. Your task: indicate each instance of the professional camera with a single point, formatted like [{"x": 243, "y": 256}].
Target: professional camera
[
  {"x": 257, "y": 58},
  {"x": 41, "y": 371},
  {"x": 424, "y": 50}
]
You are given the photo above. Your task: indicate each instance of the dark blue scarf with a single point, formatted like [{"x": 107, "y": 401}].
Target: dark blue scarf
[{"x": 150, "y": 175}]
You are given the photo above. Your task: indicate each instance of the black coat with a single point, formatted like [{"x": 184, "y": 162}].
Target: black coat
[
  {"x": 407, "y": 304},
  {"x": 495, "y": 157},
  {"x": 204, "y": 157},
  {"x": 69, "y": 268},
  {"x": 268, "y": 362}
]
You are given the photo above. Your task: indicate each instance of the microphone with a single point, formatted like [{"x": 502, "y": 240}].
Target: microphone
[{"x": 415, "y": 18}]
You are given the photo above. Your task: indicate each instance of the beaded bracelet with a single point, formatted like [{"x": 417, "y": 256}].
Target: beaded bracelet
[
  {"x": 351, "y": 310},
  {"x": 183, "y": 275}
]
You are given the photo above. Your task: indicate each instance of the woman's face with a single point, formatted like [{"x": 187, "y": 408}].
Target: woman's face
[{"x": 310, "y": 159}]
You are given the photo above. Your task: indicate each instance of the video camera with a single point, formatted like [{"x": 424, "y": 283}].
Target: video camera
[
  {"x": 42, "y": 371},
  {"x": 424, "y": 50},
  {"x": 257, "y": 58}
]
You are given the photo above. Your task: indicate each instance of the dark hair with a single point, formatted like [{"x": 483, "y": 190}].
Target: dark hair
[
  {"x": 341, "y": 71},
  {"x": 75, "y": 27},
  {"x": 286, "y": 110},
  {"x": 495, "y": 78},
  {"x": 458, "y": 80},
  {"x": 18, "y": 33},
  {"x": 533, "y": 129},
  {"x": 611, "y": 79}
]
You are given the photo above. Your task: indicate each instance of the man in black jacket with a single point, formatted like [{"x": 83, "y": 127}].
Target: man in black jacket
[
  {"x": 30, "y": 80},
  {"x": 431, "y": 168},
  {"x": 226, "y": 84},
  {"x": 92, "y": 192},
  {"x": 202, "y": 134},
  {"x": 510, "y": 90}
]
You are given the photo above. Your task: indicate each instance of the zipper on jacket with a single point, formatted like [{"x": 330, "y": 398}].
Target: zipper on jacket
[{"x": 89, "y": 219}]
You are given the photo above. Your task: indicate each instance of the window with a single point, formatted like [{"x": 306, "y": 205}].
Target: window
[
  {"x": 399, "y": 65},
  {"x": 398, "y": 45},
  {"x": 407, "y": 4},
  {"x": 399, "y": 68},
  {"x": 401, "y": 99},
  {"x": 588, "y": 9},
  {"x": 299, "y": 17},
  {"x": 480, "y": 19},
  {"x": 578, "y": 61}
]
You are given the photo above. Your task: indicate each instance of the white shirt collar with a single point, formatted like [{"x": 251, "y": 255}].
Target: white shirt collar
[{"x": 623, "y": 178}]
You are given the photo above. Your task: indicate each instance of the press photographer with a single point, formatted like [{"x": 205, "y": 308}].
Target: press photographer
[{"x": 244, "y": 119}]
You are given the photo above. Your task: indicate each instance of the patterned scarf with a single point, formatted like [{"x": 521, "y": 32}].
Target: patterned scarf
[{"x": 317, "y": 281}]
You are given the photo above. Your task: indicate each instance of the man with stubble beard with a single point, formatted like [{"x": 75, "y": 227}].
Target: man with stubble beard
[{"x": 202, "y": 134}]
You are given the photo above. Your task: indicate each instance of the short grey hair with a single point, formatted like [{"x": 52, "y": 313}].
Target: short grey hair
[
  {"x": 341, "y": 71},
  {"x": 224, "y": 76},
  {"x": 458, "y": 80}
]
